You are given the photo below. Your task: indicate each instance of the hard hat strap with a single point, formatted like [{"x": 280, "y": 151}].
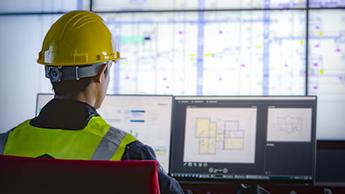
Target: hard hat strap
[{"x": 56, "y": 74}]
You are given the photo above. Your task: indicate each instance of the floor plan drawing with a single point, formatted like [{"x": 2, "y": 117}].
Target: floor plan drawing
[
  {"x": 231, "y": 138},
  {"x": 220, "y": 134},
  {"x": 289, "y": 124}
]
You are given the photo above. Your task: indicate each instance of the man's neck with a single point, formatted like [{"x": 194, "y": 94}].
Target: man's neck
[{"x": 81, "y": 97}]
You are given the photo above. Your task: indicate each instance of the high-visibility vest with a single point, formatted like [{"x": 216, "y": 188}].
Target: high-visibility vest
[{"x": 97, "y": 141}]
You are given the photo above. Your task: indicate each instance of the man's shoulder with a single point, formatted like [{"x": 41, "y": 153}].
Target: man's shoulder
[{"x": 138, "y": 151}]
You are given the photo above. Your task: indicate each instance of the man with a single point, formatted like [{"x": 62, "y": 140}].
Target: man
[{"x": 77, "y": 53}]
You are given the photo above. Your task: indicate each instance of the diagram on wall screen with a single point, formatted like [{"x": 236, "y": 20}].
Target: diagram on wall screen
[
  {"x": 289, "y": 124},
  {"x": 220, "y": 135},
  {"x": 209, "y": 53}
]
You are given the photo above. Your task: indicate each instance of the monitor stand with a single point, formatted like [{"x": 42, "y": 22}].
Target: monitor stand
[{"x": 251, "y": 189}]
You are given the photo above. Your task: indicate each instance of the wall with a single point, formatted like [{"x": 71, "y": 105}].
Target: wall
[{"x": 20, "y": 75}]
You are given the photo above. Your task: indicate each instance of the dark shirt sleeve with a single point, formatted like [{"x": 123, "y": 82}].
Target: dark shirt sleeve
[{"x": 140, "y": 151}]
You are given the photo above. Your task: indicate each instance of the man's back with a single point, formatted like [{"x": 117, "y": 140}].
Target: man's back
[{"x": 62, "y": 132}]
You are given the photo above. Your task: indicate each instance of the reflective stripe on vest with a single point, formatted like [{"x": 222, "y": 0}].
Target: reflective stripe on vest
[
  {"x": 113, "y": 145},
  {"x": 96, "y": 141}
]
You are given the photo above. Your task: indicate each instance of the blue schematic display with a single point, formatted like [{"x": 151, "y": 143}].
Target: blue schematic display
[
  {"x": 139, "y": 5},
  {"x": 210, "y": 53},
  {"x": 327, "y": 70}
]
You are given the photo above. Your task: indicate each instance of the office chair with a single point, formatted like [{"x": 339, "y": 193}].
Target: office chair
[{"x": 43, "y": 175}]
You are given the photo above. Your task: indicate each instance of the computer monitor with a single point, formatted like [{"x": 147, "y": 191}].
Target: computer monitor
[
  {"x": 146, "y": 117},
  {"x": 244, "y": 138}
]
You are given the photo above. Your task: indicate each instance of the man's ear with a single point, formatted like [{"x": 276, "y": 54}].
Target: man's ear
[{"x": 101, "y": 73}]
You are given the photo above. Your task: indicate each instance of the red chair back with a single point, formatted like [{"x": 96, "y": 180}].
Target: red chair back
[{"x": 31, "y": 175}]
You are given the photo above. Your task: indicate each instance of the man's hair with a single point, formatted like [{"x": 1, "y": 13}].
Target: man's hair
[{"x": 73, "y": 87}]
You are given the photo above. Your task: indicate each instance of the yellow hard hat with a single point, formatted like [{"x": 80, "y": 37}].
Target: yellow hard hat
[{"x": 77, "y": 38}]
